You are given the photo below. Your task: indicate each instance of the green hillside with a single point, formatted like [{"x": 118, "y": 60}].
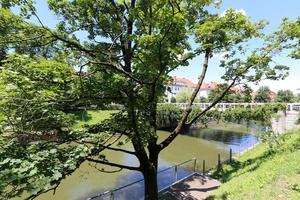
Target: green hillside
[{"x": 264, "y": 173}]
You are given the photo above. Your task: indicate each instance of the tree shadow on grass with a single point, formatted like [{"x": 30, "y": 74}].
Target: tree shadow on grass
[
  {"x": 82, "y": 116},
  {"x": 224, "y": 174},
  {"x": 223, "y": 197}
]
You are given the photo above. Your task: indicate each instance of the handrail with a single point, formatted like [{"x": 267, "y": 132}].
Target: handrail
[{"x": 130, "y": 184}]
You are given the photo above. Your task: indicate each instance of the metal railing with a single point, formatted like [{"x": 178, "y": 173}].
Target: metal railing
[
  {"x": 110, "y": 194},
  {"x": 204, "y": 167}
]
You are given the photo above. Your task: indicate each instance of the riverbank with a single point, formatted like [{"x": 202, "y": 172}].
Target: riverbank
[{"x": 263, "y": 173}]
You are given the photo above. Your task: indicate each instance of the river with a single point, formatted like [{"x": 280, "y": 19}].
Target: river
[{"x": 202, "y": 144}]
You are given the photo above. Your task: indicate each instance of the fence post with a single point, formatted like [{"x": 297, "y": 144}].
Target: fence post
[
  {"x": 195, "y": 164},
  {"x": 175, "y": 173},
  {"x": 219, "y": 160},
  {"x": 230, "y": 155},
  {"x": 112, "y": 196},
  {"x": 203, "y": 169}
]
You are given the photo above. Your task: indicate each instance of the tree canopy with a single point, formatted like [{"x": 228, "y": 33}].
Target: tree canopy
[
  {"x": 263, "y": 95},
  {"x": 104, "y": 52},
  {"x": 285, "y": 96},
  {"x": 242, "y": 94},
  {"x": 183, "y": 95}
]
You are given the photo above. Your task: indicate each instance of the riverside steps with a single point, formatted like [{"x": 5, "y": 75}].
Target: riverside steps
[{"x": 193, "y": 187}]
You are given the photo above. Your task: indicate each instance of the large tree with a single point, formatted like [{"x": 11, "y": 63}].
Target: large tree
[
  {"x": 183, "y": 95},
  {"x": 126, "y": 52},
  {"x": 216, "y": 92},
  {"x": 263, "y": 95},
  {"x": 285, "y": 96}
]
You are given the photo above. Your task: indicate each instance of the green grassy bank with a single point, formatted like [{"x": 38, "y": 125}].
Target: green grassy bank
[
  {"x": 263, "y": 173},
  {"x": 91, "y": 117}
]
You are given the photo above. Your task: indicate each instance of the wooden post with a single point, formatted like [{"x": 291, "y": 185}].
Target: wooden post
[
  {"x": 112, "y": 197},
  {"x": 230, "y": 155},
  {"x": 219, "y": 160},
  {"x": 203, "y": 170},
  {"x": 175, "y": 173}
]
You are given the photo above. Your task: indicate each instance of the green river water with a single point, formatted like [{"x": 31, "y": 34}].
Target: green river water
[{"x": 204, "y": 144}]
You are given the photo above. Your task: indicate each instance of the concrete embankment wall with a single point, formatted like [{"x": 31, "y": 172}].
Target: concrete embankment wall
[{"x": 284, "y": 121}]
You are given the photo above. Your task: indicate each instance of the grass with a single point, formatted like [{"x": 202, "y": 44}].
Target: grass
[
  {"x": 263, "y": 173},
  {"x": 91, "y": 117}
]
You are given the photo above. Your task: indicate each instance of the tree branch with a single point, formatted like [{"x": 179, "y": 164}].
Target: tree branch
[
  {"x": 214, "y": 103},
  {"x": 31, "y": 197},
  {"x": 107, "y": 147},
  {"x": 181, "y": 123},
  {"x": 103, "y": 170},
  {"x": 113, "y": 164}
]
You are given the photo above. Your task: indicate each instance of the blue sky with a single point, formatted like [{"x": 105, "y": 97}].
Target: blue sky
[{"x": 271, "y": 10}]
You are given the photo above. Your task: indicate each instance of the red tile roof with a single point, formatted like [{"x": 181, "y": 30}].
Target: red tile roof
[{"x": 205, "y": 86}]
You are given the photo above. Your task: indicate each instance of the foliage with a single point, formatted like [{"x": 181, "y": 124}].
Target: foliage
[
  {"x": 203, "y": 99},
  {"x": 167, "y": 116},
  {"x": 285, "y": 96},
  {"x": 263, "y": 95},
  {"x": 244, "y": 95},
  {"x": 35, "y": 94},
  {"x": 289, "y": 34},
  {"x": 215, "y": 93},
  {"x": 124, "y": 56},
  {"x": 173, "y": 100},
  {"x": 262, "y": 174},
  {"x": 183, "y": 95}
]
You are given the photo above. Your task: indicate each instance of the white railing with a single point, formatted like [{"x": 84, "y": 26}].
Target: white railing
[{"x": 224, "y": 106}]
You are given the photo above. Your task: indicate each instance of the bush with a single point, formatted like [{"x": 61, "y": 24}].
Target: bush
[{"x": 167, "y": 116}]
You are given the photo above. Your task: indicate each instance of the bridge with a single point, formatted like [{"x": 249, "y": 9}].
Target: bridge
[{"x": 283, "y": 121}]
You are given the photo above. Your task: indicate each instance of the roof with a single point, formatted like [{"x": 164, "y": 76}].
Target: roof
[
  {"x": 188, "y": 83},
  {"x": 184, "y": 82}
]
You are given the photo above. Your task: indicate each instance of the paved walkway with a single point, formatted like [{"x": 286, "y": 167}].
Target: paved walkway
[{"x": 193, "y": 187}]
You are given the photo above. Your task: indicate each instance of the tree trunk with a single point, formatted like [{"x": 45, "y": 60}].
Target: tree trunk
[{"x": 151, "y": 187}]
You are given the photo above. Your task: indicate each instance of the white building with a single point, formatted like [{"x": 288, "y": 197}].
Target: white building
[{"x": 178, "y": 84}]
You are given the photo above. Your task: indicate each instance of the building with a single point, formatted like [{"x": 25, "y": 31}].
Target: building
[{"x": 178, "y": 83}]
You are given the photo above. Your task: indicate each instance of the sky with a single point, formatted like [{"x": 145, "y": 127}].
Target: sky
[{"x": 271, "y": 10}]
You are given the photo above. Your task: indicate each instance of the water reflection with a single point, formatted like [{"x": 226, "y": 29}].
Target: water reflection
[
  {"x": 237, "y": 141},
  {"x": 136, "y": 191},
  {"x": 202, "y": 144}
]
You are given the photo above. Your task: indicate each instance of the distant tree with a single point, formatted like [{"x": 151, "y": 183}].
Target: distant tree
[
  {"x": 183, "y": 95},
  {"x": 243, "y": 96},
  {"x": 173, "y": 100},
  {"x": 203, "y": 99},
  {"x": 263, "y": 95},
  {"x": 247, "y": 94},
  {"x": 215, "y": 93},
  {"x": 297, "y": 98},
  {"x": 285, "y": 96},
  {"x": 162, "y": 99}
]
